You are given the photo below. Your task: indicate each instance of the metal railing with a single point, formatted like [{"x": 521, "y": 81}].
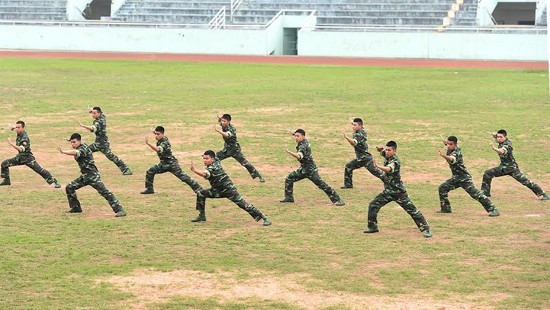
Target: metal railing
[{"x": 218, "y": 21}]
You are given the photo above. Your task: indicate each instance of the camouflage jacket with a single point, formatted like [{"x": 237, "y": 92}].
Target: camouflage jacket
[
  {"x": 457, "y": 165},
  {"x": 507, "y": 161},
  {"x": 85, "y": 159},
  {"x": 231, "y": 141},
  {"x": 392, "y": 179},
  {"x": 306, "y": 158},
  {"x": 165, "y": 151},
  {"x": 24, "y": 142},
  {"x": 99, "y": 127},
  {"x": 361, "y": 147},
  {"x": 218, "y": 178}
]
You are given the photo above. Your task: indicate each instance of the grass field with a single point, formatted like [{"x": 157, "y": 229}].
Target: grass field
[{"x": 315, "y": 256}]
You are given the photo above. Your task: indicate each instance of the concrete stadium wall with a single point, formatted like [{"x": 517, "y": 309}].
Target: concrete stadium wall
[{"x": 428, "y": 45}]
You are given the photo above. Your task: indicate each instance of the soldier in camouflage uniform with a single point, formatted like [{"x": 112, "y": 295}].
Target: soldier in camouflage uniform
[
  {"x": 394, "y": 190},
  {"x": 90, "y": 176},
  {"x": 168, "y": 163},
  {"x": 99, "y": 127},
  {"x": 307, "y": 169},
  {"x": 24, "y": 157},
  {"x": 460, "y": 178},
  {"x": 508, "y": 166},
  {"x": 362, "y": 157},
  {"x": 232, "y": 148},
  {"x": 222, "y": 187}
]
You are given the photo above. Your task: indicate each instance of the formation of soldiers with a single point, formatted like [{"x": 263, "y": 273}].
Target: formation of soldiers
[{"x": 223, "y": 187}]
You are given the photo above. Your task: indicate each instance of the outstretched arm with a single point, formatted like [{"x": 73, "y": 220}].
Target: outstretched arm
[
  {"x": 69, "y": 152},
  {"x": 500, "y": 151},
  {"x": 197, "y": 171},
  {"x": 295, "y": 155},
  {"x": 449, "y": 159},
  {"x": 351, "y": 141},
  {"x": 154, "y": 147},
  {"x": 224, "y": 134},
  {"x": 18, "y": 148},
  {"x": 383, "y": 168},
  {"x": 90, "y": 128}
]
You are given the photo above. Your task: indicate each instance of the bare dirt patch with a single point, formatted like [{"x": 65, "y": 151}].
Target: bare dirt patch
[{"x": 158, "y": 287}]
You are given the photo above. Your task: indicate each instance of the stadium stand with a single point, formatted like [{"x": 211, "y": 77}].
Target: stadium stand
[
  {"x": 24, "y": 10},
  {"x": 260, "y": 12},
  {"x": 466, "y": 16}
]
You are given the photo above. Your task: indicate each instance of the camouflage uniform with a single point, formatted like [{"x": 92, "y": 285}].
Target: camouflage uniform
[
  {"x": 25, "y": 157},
  {"x": 99, "y": 127},
  {"x": 461, "y": 178},
  {"x": 362, "y": 159},
  {"x": 232, "y": 148},
  {"x": 308, "y": 170},
  {"x": 222, "y": 187},
  {"x": 168, "y": 163},
  {"x": 90, "y": 176},
  {"x": 508, "y": 166},
  {"x": 394, "y": 190}
]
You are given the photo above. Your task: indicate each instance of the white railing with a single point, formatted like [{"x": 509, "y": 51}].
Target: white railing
[
  {"x": 218, "y": 21},
  {"x": 234, "y": 6}
]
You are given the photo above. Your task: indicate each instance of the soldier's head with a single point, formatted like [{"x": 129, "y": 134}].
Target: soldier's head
[
  {"x": 299, "y": 135},
  {"x": 75, "y": 140},
  {"x": 390, "y": 149},
  {"x": 96, "y": 112},
  {"x": 159, "y": 133},
  {"x": 452, "y": 141},
  {"x": 225, "y": 120},
  {"x": 501, "y": 135},
  {"x": 357, "y": 124},
  {"x": 19, "y": 127},
  {"x": 208, "y": 158}
]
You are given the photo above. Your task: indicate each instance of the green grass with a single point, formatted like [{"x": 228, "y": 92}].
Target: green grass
[{"x": 313, "y": 252}]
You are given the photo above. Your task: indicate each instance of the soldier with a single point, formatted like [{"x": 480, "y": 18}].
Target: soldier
[
  {"x": 222, "y": 186},
  {"x": 394, "y": 190},
  {"x": 460, "y": 178},
  {"x": 231, "y": 147},
  {"x": 508, "y": 166},
  {"x": 99, "y": 127},
  {"x": 168, "y": 163},
  {"x": 307, "y": 169},
  {"x": 24, "y": 157},
  {"x": 90, "y": 176},
  {"x": 362, "y": 157}
]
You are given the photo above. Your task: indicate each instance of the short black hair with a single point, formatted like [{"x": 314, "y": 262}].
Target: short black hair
[
  {"x": 358, "y": 121},
  {"x": 98, "y": 109},
  {"x": 392, "y": 144},
  {"x": 453, "y": 139},
  {"x": 300, "y": 131},
  {"x": 226, "y": 117},
  {"x": 159, "y": 129},
  {"x": 502, "y": 132},
  {"x": 76, "y": 136},
  {"x": 21, "y": 123},
  {"x": 210, "y": 153}
]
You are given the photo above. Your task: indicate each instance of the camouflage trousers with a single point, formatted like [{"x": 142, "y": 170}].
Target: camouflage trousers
[
  {"x": 94, "y": 180},
  {"x": 314, "y": 177},
  {"x": 230, "y": 194},
  {"x": 514, "y": 173},
  {"x": 402, "y": 200},
  {"x": 464, "y": 181},
  {"x": 28, "y": 161},
  {"x": 356, "y": 164},
  {"x": 175, "y": 169},
  {"x": 106, "y": 150},
  {"x": 238, "y": 155}
]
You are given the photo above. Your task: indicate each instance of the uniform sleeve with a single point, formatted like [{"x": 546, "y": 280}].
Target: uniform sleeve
[
  {"x": 505, "y": 149},
  {"x": 391, "y": 165},
  {"x": 24, "y": 144},
  {"x": 162, "y": 146},
  {"x": 95, "y": 126},
  {"x": 77, "y": 154},
  {"x": 454, "y": 157},
  {"x": 232, "y": 131},
  {"x": 359, "y": 138},
  {"x": 301, "y": 151},
  {"x": 207, "y": 174}
]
